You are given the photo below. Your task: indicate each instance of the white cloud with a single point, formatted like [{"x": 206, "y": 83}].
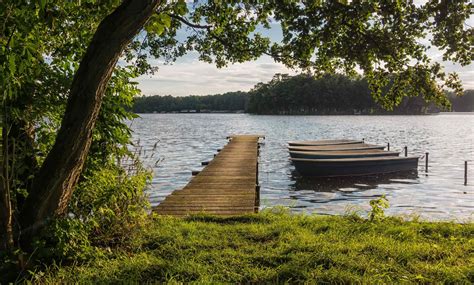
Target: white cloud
[{"x": 199, "y": 78}]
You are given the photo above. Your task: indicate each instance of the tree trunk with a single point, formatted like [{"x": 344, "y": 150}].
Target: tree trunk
[
  {"x": 54, "y": 184},
  {"x": 6, "y": 214}
]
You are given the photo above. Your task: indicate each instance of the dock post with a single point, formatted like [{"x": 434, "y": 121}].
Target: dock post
[
  {"x": 257, "y": 198},
  {"x": 465, "y": 172},
  {"x": 426, "y": 161},
  {"x": 406, "y": 151},
  {"x": 256, "y": 176},
  {"x": 388, "y": 146}
]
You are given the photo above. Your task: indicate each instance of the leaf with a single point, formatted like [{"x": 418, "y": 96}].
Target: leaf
[
  {"x": 12, "y": 64},
  {"x": 181, "y": 8},
  {"x": 155, "y": 25},
  {"x": 43, "y": 4},
  {"x": 166, "y": 20}
]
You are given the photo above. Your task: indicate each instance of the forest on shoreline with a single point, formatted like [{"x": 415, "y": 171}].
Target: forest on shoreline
[{"x": 298, "y": 95}]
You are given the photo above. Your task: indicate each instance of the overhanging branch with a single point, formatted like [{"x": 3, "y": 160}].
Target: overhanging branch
[
  {"x": 188, "y": 23},
  {"x": 224, "y": 42}
]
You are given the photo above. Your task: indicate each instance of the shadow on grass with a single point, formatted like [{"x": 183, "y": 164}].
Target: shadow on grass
[{"x": 245, "y": 219}]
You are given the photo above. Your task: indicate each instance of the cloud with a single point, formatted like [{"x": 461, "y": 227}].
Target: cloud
[{"x": 199, "y": 78}]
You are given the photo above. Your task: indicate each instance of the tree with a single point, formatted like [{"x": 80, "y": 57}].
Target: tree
[
  {"x": 54, "y": 183},
  {"x": 379, "y": 37}
]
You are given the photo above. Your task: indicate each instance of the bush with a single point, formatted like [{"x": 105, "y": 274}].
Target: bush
[
  {"x": 107, "y": 209},
  {"x": 113, "y": 204}
]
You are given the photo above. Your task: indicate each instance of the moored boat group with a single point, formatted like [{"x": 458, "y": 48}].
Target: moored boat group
[{"x": 326, "y": 158}]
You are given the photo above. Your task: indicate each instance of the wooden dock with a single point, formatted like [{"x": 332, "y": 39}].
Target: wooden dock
[{"x": 228, "y": 185}]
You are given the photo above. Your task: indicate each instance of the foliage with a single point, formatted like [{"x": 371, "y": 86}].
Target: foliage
[
  {"x": 112, "y": 134},
  {"x": 108, "y": 208},
  {"x": 41, "y": 44},
  {"x": 380, "y": 38},
  {"x": 277, "y": 247},
  {"x": 113, "y": 203},
  {"x": 377, "y": 213},
  {"x": 109, "y": 203}
]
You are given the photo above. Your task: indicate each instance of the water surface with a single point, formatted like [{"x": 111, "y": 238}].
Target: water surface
[{"x": 183, "y": 141}]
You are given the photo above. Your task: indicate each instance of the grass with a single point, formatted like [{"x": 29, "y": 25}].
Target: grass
[{"x": 278, "y": 247}]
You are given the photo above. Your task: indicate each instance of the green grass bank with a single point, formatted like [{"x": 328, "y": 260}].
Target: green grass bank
[{"x": 277, "y": 247}]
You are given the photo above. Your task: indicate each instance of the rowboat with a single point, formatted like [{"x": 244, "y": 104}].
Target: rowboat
[
  {"x": 341, "y": 154},
  {"x": 323, "y": 142},
  {"x": 354, "y": 166},
  {"x": 357, "y": 147}
]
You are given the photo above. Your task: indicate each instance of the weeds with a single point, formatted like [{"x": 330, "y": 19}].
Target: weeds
[{"x": 377, "y": 213}]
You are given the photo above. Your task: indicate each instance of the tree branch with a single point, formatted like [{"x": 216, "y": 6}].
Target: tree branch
[
  {"x": 223, "y": 41},
  {"x": 188, "y": 23}
]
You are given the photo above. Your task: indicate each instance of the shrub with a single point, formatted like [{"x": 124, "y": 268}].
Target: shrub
[{"x": 108, "y": 207}]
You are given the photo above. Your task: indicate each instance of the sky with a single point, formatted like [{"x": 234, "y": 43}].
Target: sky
[{"x": 189, "y": 76}]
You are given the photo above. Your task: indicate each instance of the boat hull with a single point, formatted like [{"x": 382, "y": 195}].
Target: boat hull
[
  {"x": 323, "y": 142},
  {"x": 354, "y": 166},
  {"x": 341, "y": 154}
]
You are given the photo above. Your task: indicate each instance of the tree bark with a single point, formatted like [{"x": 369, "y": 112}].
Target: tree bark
[
  {"x": 6, "y": 213},
  {"x": 53, "y": 185}
]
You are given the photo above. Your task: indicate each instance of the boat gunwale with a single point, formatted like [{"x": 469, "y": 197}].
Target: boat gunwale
[
  {"x": 324, "y": 143},
  {"x": 318, "y": 149},
  {"x": 357, "y": 159},
  {"x": 346, "y": 152}
]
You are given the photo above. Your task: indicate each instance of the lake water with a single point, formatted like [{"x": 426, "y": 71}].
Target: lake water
[{"x": 183, "y": 141}]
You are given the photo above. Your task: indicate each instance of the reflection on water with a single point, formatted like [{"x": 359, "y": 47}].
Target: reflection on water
[
  {"x": 185, "y": 140},
  {"x": 350, "y": 184}
]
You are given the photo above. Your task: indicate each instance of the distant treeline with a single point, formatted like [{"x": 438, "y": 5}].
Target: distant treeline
[
  {"x": 300, "y": 94},
  {"x": 227, "y": 102}
]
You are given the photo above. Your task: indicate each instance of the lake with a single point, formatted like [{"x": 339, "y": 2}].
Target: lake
[{"x": 175, "y": 144}]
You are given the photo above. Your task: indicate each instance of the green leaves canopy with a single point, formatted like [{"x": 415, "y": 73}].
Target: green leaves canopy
[
  {"x": 385, "y": 40},
  {"x": 379, "y": 38}
]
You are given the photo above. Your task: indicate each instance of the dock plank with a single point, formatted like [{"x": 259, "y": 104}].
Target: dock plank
[{"x": 226, "y": 186}]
